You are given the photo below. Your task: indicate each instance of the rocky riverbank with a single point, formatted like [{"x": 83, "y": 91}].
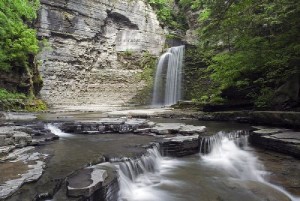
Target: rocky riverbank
[
  {"x": 18, "y": 142},
  {"x": 273, "y": 118},
  {"x": 19, "y": 161},
  {"x": 277, "y": 139}
]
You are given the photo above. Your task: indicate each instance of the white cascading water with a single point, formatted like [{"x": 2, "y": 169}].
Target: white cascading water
[
  {"x": 229, "y": 153},
  {"x": 55, "y": 130},
  {"x": 134, "y": 175},
  {"x": 142, "y": 179},
  {"x": 168, "y": 82}
]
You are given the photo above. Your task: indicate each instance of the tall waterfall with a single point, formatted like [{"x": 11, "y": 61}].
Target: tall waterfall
[{"x": 168, "y": 77}]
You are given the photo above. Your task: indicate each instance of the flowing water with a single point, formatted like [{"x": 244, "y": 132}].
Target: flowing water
[
  {"x": 230, "y": 171},
  {"x": 168, "y": 78}
]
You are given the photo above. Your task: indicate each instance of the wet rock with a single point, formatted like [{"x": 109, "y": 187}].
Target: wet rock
[
  {"x": 190, "y": 129},
  {"x": 98, "y": 182},
  {"x": 276, "y": 139},
  {"x": 85, "y": 182},
  {"x": 166, "y": 128},
  {"x": 27, "y": 167},
  {"x": 112, "y": 121},
  {"x": 180, "y": 146},
  {"x": 18, "y": 116},
  {"x": 4, "y": 150},
  {"x": 106, "y": 125},
  {"x": 174, "y": 128},
  {"x": 263, "y": 191},
  {"x": 10, "y": 135}
]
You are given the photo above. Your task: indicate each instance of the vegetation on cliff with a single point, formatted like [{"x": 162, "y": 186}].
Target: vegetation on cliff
[
  {"x": 251, "y": 47},
  {"x": 17, "y": 40},
  {"x": 18, "y": 47},
  {"x": 168, "y": 14}
]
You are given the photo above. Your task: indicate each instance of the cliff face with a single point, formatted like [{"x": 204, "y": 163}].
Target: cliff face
[{"x": 87, "y": 38}]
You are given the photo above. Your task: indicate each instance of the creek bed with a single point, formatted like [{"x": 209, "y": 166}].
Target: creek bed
[{"x": 180, "y": 179}]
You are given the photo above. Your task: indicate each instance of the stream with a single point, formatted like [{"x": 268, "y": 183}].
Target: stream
[{"x": 232, "y": 171}]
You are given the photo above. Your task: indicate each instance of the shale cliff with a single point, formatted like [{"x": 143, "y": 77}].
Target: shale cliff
[{"x": 84, "y": 62}]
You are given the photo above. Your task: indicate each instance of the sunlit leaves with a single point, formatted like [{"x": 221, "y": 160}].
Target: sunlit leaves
[
  {"x": 17, "y": 40},
  {"x": 250, "y": 43}
]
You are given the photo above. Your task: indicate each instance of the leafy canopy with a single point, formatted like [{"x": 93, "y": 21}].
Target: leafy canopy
[
  {"x": 17, "y": 40},
  {"x": 251, "y": 45}
]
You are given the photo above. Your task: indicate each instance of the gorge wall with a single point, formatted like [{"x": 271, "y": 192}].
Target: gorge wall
[{"x": 84, "y": 60}]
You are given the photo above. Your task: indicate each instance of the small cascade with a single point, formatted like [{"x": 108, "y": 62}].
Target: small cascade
[
  {"x": 168, "y": 78},
  {"x": 207, "y": 143},
  {"x": 230, "y": 153},
  {"x": 55, "y": 130},
  {"x": 135, "y": 172}
]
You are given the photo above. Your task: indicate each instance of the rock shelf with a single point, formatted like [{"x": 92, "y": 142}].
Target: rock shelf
[
  {"x": 129, "y": 125},
  {"x": 276, "y": 139},
  {"x": 19, "y": 161}
]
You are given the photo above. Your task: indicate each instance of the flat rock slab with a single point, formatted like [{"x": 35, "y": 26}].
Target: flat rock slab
[
  {"x": 130, "y": 125},
  {"x": 180, "y": 146},
  {"x": 277, "y": 139},
  {"x": 288, "y": 135},
  {"x": 19, "y": 167},
  {"x": 107, "y": 125},
  {"x": 85, "y": 182},
  {"x": 174, "y": 128},
  {"x": 143, "y": 113},
  {"x": 17, "y": 116},
  {"x": 190, "y": 129},
  {"x": 269, "y": 131},
  {"x": 112, "y": 121},
  {"x": 166, "y": 128},
  {"x": 181, "y": 138}
]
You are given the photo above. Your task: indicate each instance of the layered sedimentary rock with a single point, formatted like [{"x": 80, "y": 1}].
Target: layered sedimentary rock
[
  {"x": 82, "y": 62},
  {"x": 276, "y": 139}
]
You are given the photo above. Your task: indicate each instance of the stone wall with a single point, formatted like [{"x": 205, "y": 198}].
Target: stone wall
[{"x": 81, "y": 66}]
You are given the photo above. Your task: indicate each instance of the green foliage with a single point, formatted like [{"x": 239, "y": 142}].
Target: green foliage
[
  {"x": 6, "y": 95},
  {"x": 35, "y": 105},
  {"x": 148, "y": 63},
  {"x": 17, "y": 40},
  {"x": 18, "y": 102},
  {"x": 167, "y": 15},
  {"x": 250, "y": 45}
]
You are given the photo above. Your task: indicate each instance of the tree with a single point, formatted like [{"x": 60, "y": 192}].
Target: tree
[
  {"x": 250, "y": 45},
  {"x": 17, "y": 41}
]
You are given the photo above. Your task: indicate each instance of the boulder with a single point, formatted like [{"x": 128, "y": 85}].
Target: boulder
[
  {"x": 97, "y": 182},
  {"x": 85, "y": 182}
]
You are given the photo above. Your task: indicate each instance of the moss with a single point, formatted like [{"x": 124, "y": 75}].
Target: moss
[
  {"x": 148, "y": 64},
  {"x": 35, "y": 105},
  {"x": 20, "y": 102}
]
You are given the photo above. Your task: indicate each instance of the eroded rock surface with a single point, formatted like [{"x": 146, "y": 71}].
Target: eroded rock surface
[
  {"x": 180, "y": 145},
  {"x": 276, "y": 139},
  {"x": 94, "y": 48},
  {"x": 21, "y": 166},
  {"x": 99, "y": 182},
  {"x": 19, "y": 161},
  {"x": 129, "y": 125}
]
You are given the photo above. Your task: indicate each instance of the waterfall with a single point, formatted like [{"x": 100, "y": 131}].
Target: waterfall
[
  {"x": 138, "y": 171},
  {"x": 168, "y": 77},
  {"x": 230, "y": 153},
  {"x": 151, "y": 177},
  {"x": 55, "y": 130}
]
